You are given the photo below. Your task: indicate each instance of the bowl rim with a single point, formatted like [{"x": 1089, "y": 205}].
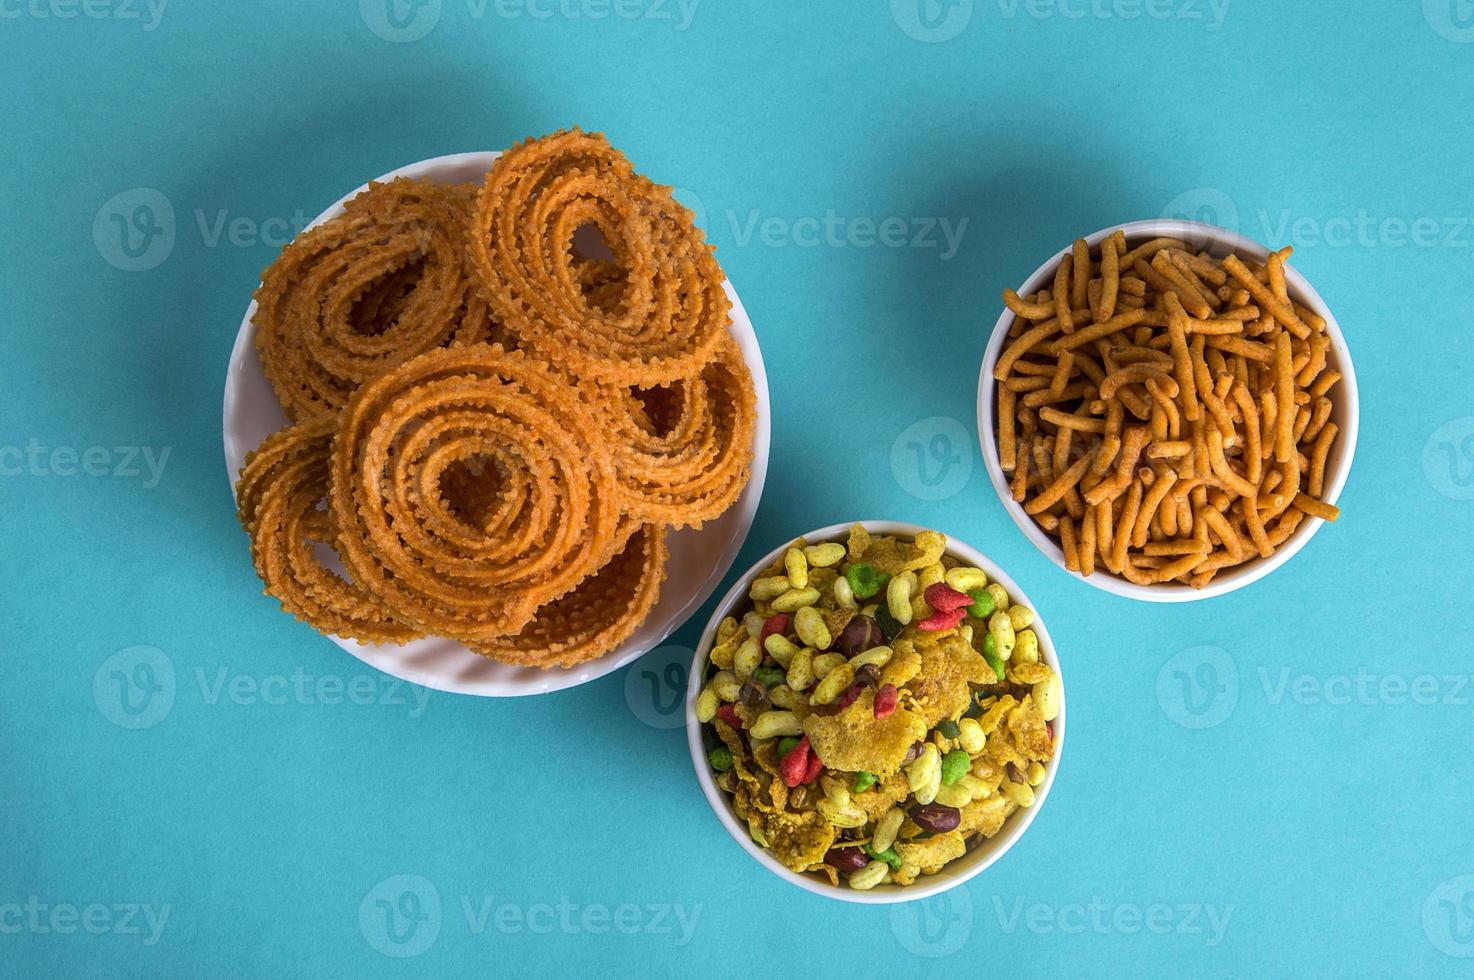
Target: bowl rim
[
  {"x": 1339, "y": 356},
  {"x": 441, "y": 667},
  {"x": 984, "y": 856}
]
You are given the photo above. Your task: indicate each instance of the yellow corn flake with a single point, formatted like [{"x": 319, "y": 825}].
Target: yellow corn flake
[
  {"x": 859, "y": 541},
  {"x": 933, "y": 545},
  {"x": 885, "y": 794},
  {"x": 905, "y": 663},
  {"x": 895, "y": 556},
  {"x": 740, "y": 804},
  {"x": 995, "y": 714},
  {"x": 906, "y": 875},
  {"x": 799, "y": 839},
  {"x": 758, "y": 830},
  {"x": 931, "y": 854},
  {"x": 721, "y": 654},
  {"x": 823, "y": 580},
  {"x": 733, "y": 740},
  {"x": 765, "y": 754},
  {"x": 1001, "y": 751},
  {"x": 940, "y": 689},
  {"x": 854, "y": 739},
  {"x": 1027, "y": 727},
  {"x": 769, "y": 779},
  {"x": 986, "y": 816},
  {"x": 974, "y": 666}
]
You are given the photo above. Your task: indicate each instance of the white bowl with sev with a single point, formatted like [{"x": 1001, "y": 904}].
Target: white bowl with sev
[
  {"x": 982, "y": 854},
  {"x": 1234, "y": 559}
]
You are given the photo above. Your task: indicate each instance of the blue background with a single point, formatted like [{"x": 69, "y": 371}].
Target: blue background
[{"x": 1329, "y": 824}]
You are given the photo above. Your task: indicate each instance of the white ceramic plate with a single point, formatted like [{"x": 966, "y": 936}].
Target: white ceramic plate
[
  {"x": 971, "y": 864},
  {"x": 1344, "y": 400},
  {"x": 698, "y": 558}
]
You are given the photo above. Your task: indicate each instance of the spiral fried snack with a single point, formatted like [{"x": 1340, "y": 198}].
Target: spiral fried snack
[
  {"x": 597, "y": 616},
  {"x": 683, "y": 451},
  {"x": 545, "y": 512},
  {"x": 504, "y": 422},
  {"x": 666, "y": 310},
  {"x": 281, "y": 486},
  {"x": 357, "y": 296}
]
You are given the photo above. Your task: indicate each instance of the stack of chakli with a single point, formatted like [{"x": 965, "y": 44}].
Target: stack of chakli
[{"x": 493, "y": 429}]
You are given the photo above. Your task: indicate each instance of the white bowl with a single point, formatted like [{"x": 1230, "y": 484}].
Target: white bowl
[
  {"x": 971, "y": 864},
  {"x": 1344, "y": 400},
  {"x": 698, "y": 559}
]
